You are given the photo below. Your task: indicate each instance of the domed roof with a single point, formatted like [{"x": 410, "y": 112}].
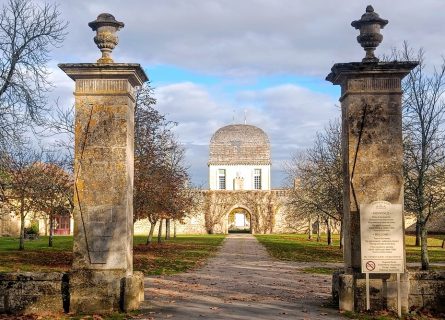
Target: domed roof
[{"x": 239, "y": 144}]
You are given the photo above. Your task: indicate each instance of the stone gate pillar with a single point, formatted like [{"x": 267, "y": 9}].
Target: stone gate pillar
[
  {"x": 372, "y": 157},
  {"x": 102, "y": 278}
]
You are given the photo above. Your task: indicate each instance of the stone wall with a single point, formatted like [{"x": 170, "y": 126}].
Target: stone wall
[
  {"x": 425, "y": 289},
  {"x": 49, "y": 292},
  {"x": 29, "y": 292},
  {"x": 190, "y": 225}
]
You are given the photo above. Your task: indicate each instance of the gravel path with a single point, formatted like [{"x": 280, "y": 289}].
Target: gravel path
[{"x": 241, "y": 282}]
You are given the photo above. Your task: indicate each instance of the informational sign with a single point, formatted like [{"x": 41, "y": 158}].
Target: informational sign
[{"x": 382, "y": 243}]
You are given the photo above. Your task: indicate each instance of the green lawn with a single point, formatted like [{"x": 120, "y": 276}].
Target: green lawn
[
  {"x": 37, "y": 256},
  {"x": 172, "y": 256},
  {"x": 60, "y": 243},
  {"x": 296, "y": 247},
  {"x": 435, "y": 251},
  {"x": 176, "y": 255}
]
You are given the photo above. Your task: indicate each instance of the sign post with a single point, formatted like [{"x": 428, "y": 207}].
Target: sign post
[{"x": 382, "y": 243}]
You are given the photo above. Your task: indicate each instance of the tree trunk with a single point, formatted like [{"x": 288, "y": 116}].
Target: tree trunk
[
  {"x": 424, "y": 247},
  {"x": 341, "y": 234},
  {"x": 150, "y": 234},
  {"x": 167, "y": 229},
  {"x": 443, "y": 244},
  {"x": 160, "y": 231},
  {"x": 46, "y": 226},
  {"x": 174, "y": 229},
  {"x": 318, "y": 229},
  {"x": 417, "y": 232},
  {"x": 22, "y": 225},
  {"x": 329, "y": 231},
  {"x": 309, "y": 228},
  {"x": 51, "y": 230}
]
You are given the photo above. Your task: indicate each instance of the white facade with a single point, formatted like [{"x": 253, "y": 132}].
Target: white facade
[{"x": 239, "y": 177}]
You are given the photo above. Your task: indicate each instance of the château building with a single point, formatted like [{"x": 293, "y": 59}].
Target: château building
[{"x": 239, "y": 158}]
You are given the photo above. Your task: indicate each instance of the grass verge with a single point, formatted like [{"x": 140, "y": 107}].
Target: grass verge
[
  {"x": 176, "y": 255},
  {"x": 171, "y": 256},
  {"x": 319, "y": 270},
  {"x": 296, "y": 247}
]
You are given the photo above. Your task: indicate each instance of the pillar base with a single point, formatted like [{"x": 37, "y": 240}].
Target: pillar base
[
  {"x": 107, "y": 291},
  {"x": 350, "y": 290}
]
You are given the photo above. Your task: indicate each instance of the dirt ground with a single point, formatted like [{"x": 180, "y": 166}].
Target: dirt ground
[{"x": 241, "y": 282}]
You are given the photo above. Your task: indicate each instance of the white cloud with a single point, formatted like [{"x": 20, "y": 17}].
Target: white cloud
[
  {"x": 289, "y": 114},
  {"x": 197, "y": 113},
  {"x": 249, "y": 37}
]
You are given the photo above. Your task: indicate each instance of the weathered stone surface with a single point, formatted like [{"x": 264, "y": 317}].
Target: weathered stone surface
[
  {"x": 346, "y": 292},
  {"x": 427, "y": 290},
  {"x": 383, "y": 292},
  {"x": 133, "y": 291},
  {"x": 103, "y": 170},
  {"x": 95, "y": 291},
  {"x": 350, "y": 290},
  {"x": 31, "y": 276},
  {"x": 336, "y": 286},
  {"x": 104, "y": 128},
  {"x": 31, "y": 292},
  {"x": 371, "y": 142},
  {"x": 239, "y": 144}
]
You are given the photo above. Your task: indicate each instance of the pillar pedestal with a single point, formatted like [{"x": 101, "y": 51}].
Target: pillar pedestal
[{"x": 102, "y": 278}]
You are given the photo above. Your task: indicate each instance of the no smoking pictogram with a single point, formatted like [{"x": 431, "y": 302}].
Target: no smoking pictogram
[{"x": 370, "y": 265}]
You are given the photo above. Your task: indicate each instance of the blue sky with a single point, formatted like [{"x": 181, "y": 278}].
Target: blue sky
[
  {"x": 161, "y": 75},
  {"x": 215, "y": 59}
]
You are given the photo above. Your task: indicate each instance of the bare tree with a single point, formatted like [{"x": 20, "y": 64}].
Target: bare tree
[
  {"x": 160, "y": 175},
  {"x": 21, "y": 174},
  {"x": 60, "y": 123},
  {"x": 27, "y": 33},
  {"x": 424, "y": 143},
  {"x": 319, "y": 179}
]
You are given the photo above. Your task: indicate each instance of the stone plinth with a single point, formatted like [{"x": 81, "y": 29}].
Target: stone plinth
[
  {"x": 372, "y": 161},
  {"x": 420, "y": 290},
  {"x": 33, "y": 292},
  {"x": 427, "y": 290},
  {"x": 103, "y": 172}
]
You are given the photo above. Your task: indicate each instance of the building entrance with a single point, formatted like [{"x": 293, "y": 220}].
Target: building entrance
[{"x": 239, "y": 221}]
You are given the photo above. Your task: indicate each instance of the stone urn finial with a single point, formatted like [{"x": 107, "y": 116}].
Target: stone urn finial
[
  {"x": 106, "y": 39},
  {"x": 370, "y": 36}
]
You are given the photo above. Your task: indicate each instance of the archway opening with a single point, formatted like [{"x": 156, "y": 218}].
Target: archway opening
[{"x": 239, "y": 221}]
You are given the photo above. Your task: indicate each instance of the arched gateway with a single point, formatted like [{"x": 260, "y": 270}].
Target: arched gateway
[{"x": 239, "y": 220}]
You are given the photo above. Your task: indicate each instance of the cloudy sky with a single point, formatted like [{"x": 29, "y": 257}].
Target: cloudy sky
[{"x": 212, "y": 60}]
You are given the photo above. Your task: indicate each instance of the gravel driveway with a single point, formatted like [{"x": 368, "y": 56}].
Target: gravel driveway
[{"x": 241, "y": 282}]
